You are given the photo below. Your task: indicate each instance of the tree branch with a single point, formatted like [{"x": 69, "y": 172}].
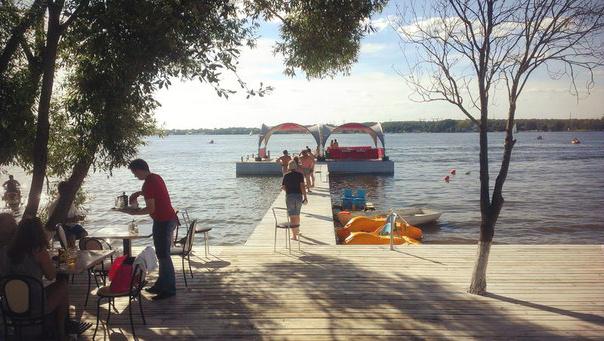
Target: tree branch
[{"x": 32, "y": 15}]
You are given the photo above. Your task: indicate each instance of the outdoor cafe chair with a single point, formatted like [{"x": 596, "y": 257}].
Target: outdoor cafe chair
[
  {"x": 101, "y": 270},
  {"x": 285, "y": 224},
  {"x": 184, "y": 250},
  {"x": 137, "y": 282},
  {"x": 23, "y": 304},
  {"x": 60, "y": 232},
  {"x": 206, "y": 237},
  {"x": 348, "y": 193},
  {"x": 186, "y": 221}
]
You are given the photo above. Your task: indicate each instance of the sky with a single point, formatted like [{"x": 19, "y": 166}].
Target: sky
[{"x": 374, "y": 91}]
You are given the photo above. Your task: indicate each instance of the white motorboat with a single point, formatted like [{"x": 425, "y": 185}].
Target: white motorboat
[
  {"x": 412, "y": 215},
  {"x": 418, "y": 216}
]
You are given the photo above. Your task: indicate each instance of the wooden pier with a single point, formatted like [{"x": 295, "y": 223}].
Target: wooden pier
[
  {"x": 329, "y": 292},
  {"x": 316, "y": 218}
]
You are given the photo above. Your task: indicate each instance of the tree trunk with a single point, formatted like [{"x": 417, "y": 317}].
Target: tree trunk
[
  {"x": 40, "y": 153},
  {"x": 33, "y": 14},
  {"x": 66, "y": 199},
  {"x": 478, "y": 286}
]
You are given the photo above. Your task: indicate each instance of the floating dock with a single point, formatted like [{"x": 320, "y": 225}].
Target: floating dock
[{"x": 272, "y": 168}]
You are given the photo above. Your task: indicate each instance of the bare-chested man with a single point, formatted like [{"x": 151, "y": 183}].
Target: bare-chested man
[
  {"x": 307, "y": 161},
  {"x": 284, "y": 161}
]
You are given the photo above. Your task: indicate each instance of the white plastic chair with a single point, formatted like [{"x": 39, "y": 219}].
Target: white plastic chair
[{"x": 286, "y": 225}]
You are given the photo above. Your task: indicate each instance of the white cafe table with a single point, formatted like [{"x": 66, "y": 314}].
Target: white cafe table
[
  {"x": 86, "y": 260},
  {"x": 121, "y": 232}
]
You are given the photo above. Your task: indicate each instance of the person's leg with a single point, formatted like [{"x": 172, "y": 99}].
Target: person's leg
[
  {"x": 162, "y": 239},
  {"x": 169, "y": 275},
  {"x": 57, "y": 299},
  {"x": 312, "y": 177},
  {"x": 307, "y": 180},
  {"x": 295, "y": 221},
  {"x": 157, "y": 286}
]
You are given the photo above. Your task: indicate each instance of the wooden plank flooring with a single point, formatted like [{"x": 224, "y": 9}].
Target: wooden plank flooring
[
  {"x": 316, "y": 218},
  {"x": 368, "y": 292}
]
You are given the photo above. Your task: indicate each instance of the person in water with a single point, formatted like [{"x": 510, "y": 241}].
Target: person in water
[
  {"x": 12, "y": 185},
  {"x": 159, "y": 207},
  {"x": 295, "y": 195},
  {"x": 284, "y": 161}
]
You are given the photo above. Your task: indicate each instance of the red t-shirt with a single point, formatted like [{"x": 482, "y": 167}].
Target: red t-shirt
[{"x": 155, "y": 188}]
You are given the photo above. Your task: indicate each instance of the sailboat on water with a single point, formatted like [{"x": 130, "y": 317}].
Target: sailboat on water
[
  {"x": 251, "y": 132},
  {"x": 514, "y": 129}
]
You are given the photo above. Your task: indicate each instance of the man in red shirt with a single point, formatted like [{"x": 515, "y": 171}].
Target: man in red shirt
[{"x": 159, "y": 207}]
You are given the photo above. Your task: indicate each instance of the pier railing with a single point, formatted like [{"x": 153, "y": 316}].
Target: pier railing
[{"x": 392, "y": 219}]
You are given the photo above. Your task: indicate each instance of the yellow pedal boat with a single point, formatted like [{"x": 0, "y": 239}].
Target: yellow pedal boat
[
  {"x": 379, "y": 237},
  {"x": 373, "y": 226}
]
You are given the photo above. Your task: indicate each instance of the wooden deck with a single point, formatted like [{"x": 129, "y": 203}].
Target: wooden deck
[
  {"x": 362, "y": 292},
  {"x": 316, "y": 218}
]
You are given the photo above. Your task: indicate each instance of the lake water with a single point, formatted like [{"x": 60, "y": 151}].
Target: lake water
[{"x": 554, "y": 192}]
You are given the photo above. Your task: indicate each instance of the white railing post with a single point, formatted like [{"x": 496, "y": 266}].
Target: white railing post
[{"x": 392, "y": 221}]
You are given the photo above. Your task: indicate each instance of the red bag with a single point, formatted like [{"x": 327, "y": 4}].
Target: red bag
[
  {"x": 122, "y": 276},
  {"x": 116, "y": 264}
]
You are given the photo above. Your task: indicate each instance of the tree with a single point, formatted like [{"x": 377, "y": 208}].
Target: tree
[
  {"x": 114, "y": 55},
  {"x": 466, "y": 48},
  {"x": 109, "y": 95}
]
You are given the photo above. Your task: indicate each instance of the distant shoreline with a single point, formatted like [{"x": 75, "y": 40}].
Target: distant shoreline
[{"x": 441, "y": 126}]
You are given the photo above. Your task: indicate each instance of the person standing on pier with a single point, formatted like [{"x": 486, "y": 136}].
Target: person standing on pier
[
  {"x": 295, "y": 195},
  {"x": 159, "y": 207},
  {"x": 307, "y": 163},
  {"x": 284, "y": 161}
]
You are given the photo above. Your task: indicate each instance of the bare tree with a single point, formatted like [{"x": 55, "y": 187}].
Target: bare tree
[{"x": 465, "y": 48}]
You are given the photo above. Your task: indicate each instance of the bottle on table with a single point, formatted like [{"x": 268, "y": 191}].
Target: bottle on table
[{"x": 132, "y": 227}]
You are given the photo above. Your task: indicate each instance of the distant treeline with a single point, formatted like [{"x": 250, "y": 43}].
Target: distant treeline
[
  {"x": 441, "y": 126},
  {"x": 453, "y": 126},
  {"x": 215, "y": 131}
]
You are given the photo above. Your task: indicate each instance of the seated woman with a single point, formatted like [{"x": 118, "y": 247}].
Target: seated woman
[
  {"x": 8, "y": 228},
  {"x": 28, "y": 255}
]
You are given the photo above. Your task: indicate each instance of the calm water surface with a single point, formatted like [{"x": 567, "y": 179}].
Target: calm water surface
[{"x": 554, "y": 192}]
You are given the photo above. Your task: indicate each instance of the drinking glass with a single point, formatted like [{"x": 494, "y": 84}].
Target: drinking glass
[{"x": 72, "y": 257}]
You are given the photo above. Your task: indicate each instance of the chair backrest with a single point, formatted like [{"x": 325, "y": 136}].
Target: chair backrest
[
  {"x": 347, "y": 193},
  {"x": 90, "y": 243},
  {"x": 62, "y": 236},
  {"x": 187, "y": 246},
  {"x": 361, "y": 193},
  {"x": 138, "y": 280},
  {"x": 22, "y": 297},
  {"x": 186, "y": 220},
  {"x": 283, "y": 222},
  {"x": 185, "y": 217}
]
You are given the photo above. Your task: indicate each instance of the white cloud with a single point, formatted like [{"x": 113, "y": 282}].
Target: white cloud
[
  {"x": 375, "y": 95},
  {"x": 370, "y": 48},
  {"x": 382, "y": 23}
]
